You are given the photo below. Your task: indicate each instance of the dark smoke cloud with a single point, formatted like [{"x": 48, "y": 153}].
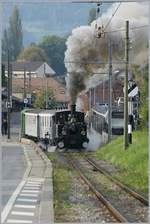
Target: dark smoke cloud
[{"x": 83, "y": 48}]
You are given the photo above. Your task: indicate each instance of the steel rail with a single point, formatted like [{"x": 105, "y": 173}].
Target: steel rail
[
  {"x": 121, "y": 185},
  {"x": 115, "y": 213}
]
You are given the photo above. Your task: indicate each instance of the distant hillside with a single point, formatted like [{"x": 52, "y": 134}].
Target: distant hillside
[{"x": 48, "y": 18}]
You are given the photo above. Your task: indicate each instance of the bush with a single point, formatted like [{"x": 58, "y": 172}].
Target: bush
[{"x": 144, "y": 115}]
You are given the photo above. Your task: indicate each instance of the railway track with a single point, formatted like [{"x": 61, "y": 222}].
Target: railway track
[
  {"x": 133, "y": 193},
  {"x": 118, "y": 212}
]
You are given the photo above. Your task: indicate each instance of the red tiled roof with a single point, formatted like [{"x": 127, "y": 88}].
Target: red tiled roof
[
  {"x": 40, "y": 83},
  {"x": 27, "y": 65}
]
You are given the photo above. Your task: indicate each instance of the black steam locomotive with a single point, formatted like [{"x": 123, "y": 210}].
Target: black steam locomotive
[
  {"x": 62, "y": 128},
  {"x": 71, "y": 129}
]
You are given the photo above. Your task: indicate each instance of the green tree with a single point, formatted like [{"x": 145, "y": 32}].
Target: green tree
[
  {"x": 40, "y": 99},
  {"x": 55, "y": 48},
  {"x": 92, "y": 15},
  {"x": 15, "y": 34},
  {"x": 4, "y": 82},
  {"x": 141, "y": 78},
  {"x": 5, "y": 46},
  {"x": 14, "y": 40},
  {"x": 32, "y": 53}
]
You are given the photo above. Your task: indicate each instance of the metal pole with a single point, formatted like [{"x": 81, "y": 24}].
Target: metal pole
[
  {"x": 11, "y": 71},
  {"x": 90, "y": 107},
  {"x": 110, "y": 93},
  {"x": 94, "y": 93},
  {"x": 46, "y": 88},
  {"x": 24, "y": 87},
  {"x": 103, "y": 90},
  {"x": 8, "y": 96},
  {"x": 46, "y": 94},
  {"x": 30, "y": 87},
  {"x": 126, "y": 87}
]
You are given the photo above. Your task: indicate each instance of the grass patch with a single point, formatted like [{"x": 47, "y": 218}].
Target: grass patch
[
  {"x": 132, "y": 163},
  {"x": 61, "y": 186}
]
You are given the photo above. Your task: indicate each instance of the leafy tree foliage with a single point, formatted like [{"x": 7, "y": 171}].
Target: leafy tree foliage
[
  {"x": 4, "y": 81},
  {"x": 13, "y": 37},
  {"x": 32, "y": 53},
  {"x": 141, "y": 78},
  {"x": 5, "y": 46},
  {"x": 92, "y": 15},
  {"x": 55, "y": 48},
  {"x": 40, "y": 99}
]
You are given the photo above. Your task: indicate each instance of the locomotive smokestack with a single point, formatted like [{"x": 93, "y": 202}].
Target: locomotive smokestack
[{"x": 73, "y": 108}]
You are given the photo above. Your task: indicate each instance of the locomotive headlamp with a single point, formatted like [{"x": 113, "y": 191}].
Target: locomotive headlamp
[
  {"x": 61, "y": 145},
  {"x": 84, "y": 144},
  {"x": 82, "y": 132}
]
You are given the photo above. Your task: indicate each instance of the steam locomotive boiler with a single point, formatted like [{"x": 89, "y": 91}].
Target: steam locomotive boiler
[{"x": 63, "y": 128}]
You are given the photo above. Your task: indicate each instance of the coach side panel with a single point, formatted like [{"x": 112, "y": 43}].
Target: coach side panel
[
  {"x": 31, "y": 124},
  {"x": 45, "y": 125}
]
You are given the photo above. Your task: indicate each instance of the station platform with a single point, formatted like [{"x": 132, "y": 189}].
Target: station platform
[{"x": 32, "y": 200}]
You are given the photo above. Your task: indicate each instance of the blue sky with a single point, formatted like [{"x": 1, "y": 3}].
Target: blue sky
[{"x": 49, "y": 18}]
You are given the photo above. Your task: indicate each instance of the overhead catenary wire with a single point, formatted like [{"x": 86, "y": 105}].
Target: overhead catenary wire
[
  {"x": 123, "y": 30},
  {"x": 98, "y": 12},
  {"x": 104, "y": 62},
  {"x": 94, "y": 62},
  {"x": 112, "y": 16},
  {"x": 119, "y": 30}
]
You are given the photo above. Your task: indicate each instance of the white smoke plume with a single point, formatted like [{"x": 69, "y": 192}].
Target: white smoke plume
[
  {"x": 97, "y": 78},
  {"x": 84, "y": 49},
  {"x": 95, "y": 140},
  {"x": 79, "y": 104}
]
